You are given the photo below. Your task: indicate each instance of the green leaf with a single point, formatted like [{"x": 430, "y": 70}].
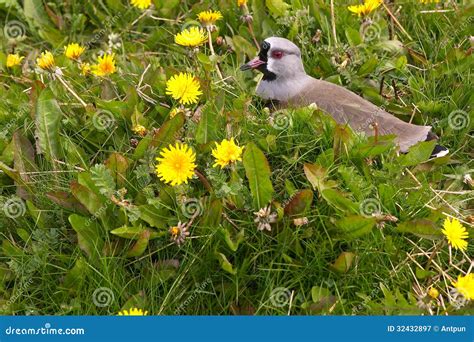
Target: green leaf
[
  {"x": 316, "y": 175},
  {"x": 258, "y": 174},
  {"x": 318, "y": 292},
  {"x": 166, "y": 135},
  {"x": 15, "y": 175},
  {"x": 355, "y": 226},
  {"x": 35, "y": 13},
  {"x": 369, "y": 66},
  {"x": 136, "y": 232},
  {"x": 138, "y": 300},
  {"x": 24, "y": 158},
  {"x": 89, "y": 235},
  {"x": 118, "y": 165},
  {"x": 67, "y": 201},
  {"x": 88, "y": 199},
  {"x": 141, "y": 245},
  {"x": 76, "y": 276},
  {"x": 353, "y": 36},
  {"x": 155, "y": 217},
  {"x": 225, "y": 264},
  {"x": 338, "y": 200},
  {"x": 103, "y": 180},
  {"x": 231, "y": 242},
  {"x": 37, "y": 214},
  {"x": 421, "y": 227},
  {"x": 343, "y": 262},
  {"x": 213, "y": 215},
  {"x": 418, "y": 153},
  {"x": 277, "y": 8},
  {"x": 208, "y": 126},
  {"x": 300, "y": 203},
  {"x": 322, "y": 299},
  {"x": 48, "y": 119}
]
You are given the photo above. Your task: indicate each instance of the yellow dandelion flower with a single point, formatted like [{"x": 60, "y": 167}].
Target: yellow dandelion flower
[
  {"x": 191, "y": 37},
  {"x": 176, "y": 164},
  {"x": 465, "y": 286},
  {"x": 428, "y": 1},
  {"x": 367, "y": 7},
  {"x": 46, "y": 61},
  {"x": 74, "y": 51},
  {"x": 13, "y": 60},
  {"x": 208, "y": 18},
  {"x": 455, "y": 233},
  {"x": 133, "y": 312},
  {"x": 241, "y": 3},
  {"x": 85, "y": 69},
  {"x": 105, "y": 65},
  {"x": 227, "y": 152},
  {"x": 139, "y": 130},
  {"x": 433, "y": 293},
  {"x": 184, "y": 88},
  {"x": 141, "y": 4}
]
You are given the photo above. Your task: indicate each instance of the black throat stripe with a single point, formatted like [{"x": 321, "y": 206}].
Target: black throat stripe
[{"x": 263, "y": 56}]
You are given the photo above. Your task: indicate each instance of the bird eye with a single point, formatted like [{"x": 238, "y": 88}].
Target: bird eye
[{"x": 277, "y": 54}]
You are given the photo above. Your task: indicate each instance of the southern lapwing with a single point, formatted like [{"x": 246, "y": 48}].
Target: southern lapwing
[{"x": 286, "y": 83}]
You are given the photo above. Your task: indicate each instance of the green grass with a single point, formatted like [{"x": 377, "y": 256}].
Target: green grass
[{"x": 50, "y": 266}]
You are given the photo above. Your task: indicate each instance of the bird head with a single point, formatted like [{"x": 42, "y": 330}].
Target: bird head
[{"x": 278, "y": 58}]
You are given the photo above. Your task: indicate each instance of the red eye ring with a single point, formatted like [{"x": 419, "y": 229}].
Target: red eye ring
[{"x": 277, "y": 54}]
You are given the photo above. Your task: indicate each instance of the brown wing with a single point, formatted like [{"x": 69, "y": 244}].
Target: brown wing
[{"x": 349, "y": 108}]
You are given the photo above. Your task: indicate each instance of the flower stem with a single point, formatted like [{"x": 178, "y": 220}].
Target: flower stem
[
  {"x": 211, "y": 47},
  {"x": 203, "y": 180},
  {"x": 70, "y": 90}
]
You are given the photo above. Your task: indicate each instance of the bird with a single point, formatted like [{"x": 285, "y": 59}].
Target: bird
[{"x": 286, "y": 83}]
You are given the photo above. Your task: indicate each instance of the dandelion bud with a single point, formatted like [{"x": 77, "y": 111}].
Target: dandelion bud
[{"x": 247, "y": 18}]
